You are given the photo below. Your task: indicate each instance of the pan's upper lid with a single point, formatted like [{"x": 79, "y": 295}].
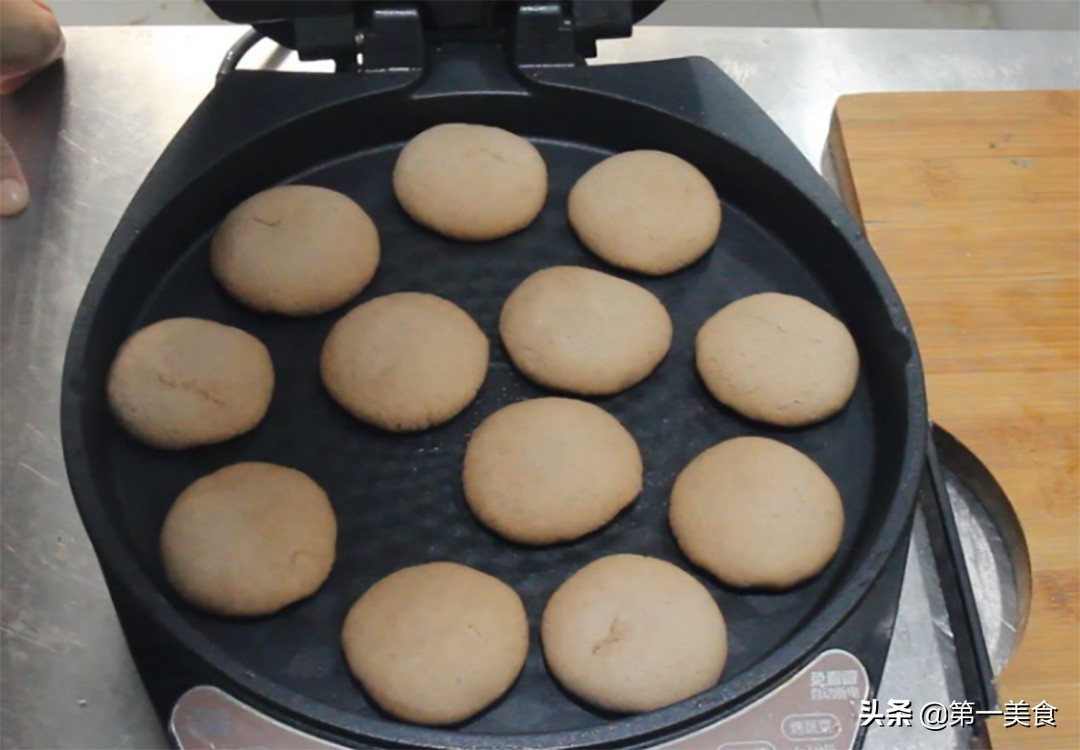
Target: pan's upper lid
[{"x": 319, "y": 29}]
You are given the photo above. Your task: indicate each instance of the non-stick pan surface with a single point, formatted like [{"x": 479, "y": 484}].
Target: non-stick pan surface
[{"x": 398, "y": 498}]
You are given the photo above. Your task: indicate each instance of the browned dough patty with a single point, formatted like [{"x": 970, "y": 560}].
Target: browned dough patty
[
  {"x": 471, "y": 182},
  {"x": 184, "y": 382},
  {"x": 249, "y": 539},
  {"x": 550, "y": 469},
  {"x": 646, "y": 211},
  {"x": 578, "y": 330},
  {"x": 436, "y": 643},
  {"x": 405, "y": 362},
  {"x": 778, "y": 359},
  {"x": 295, "y": 250},
  {"x": 632, "y": 633},
  {"x": 757, "y": 514}
]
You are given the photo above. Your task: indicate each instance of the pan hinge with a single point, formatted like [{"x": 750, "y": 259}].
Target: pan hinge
[
  {"x": 558, "y": 34},
  {"x": 330, "y": 37},
  {"x": 396, "y": 35},
  {"x": 389, "y": 35}
]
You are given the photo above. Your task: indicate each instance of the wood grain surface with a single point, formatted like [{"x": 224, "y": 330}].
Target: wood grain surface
[{"x": 972, "y": 200}]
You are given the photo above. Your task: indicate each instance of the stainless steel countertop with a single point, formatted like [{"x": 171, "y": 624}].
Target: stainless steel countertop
[{"x": 88, "y": 134}]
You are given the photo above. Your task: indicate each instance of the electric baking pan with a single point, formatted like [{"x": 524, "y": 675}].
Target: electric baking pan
[{"x": 398, "y": 498}]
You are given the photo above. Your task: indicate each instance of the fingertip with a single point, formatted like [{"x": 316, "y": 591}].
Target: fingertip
[{"x": 14, "y": 196}]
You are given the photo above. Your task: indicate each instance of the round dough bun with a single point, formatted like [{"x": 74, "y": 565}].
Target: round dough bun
[
  {"x": 756, "y": 514},
  {"x": 436, "y": 643},
  {"x": 405, "y": 362},
  {"x": 778, "y": 359},
  {"x": 249, "y": 539},
  {"x": 582, "y": 331},
  {"x": 185, "y": 382},
  {"x": 471, "y": 182},
  {"x": 646, "y": 211},
  {"x": 295, "y": 250},
  {"x": 631, "y": 633},
  {"x": 550, "y": 470}
]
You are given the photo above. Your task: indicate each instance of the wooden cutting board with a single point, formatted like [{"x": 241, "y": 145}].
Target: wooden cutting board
[{"x": 972, "y": 201}]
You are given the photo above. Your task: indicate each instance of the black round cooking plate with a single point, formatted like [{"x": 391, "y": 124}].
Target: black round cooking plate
[{"x": 398, "y": 497}]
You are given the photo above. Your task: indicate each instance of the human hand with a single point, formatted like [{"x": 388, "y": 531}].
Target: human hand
[{"x": 30, "y": 40}]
